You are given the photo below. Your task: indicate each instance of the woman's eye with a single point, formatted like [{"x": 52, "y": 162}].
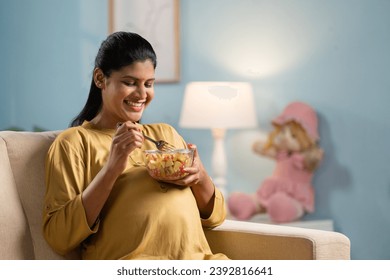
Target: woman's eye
[
  {"x": 129, "y": 83},
  {"x": 149, "y": 85}
]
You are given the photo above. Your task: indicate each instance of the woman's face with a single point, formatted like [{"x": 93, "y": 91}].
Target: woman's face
[{"x": 126, "y": 93}]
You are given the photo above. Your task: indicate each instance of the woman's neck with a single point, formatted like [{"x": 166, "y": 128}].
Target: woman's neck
[{"x": 103, "y": 123}]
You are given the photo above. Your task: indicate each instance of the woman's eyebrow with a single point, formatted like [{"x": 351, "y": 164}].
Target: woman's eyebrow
[{"x": 134, "y": 78}]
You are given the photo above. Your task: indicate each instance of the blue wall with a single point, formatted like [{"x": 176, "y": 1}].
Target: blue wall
[{"x": 332, "y": 54}]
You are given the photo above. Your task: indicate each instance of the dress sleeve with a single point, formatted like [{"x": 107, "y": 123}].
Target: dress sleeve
[
  {"x": 64, "y": 221},
  {"x": 219, "y": 211}
]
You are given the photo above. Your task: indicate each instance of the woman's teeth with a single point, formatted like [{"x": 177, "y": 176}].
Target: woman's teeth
[{"x": 134, "y": 104}]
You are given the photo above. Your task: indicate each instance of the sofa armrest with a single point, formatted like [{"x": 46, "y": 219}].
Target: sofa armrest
[{"x": 253, "y": 241}]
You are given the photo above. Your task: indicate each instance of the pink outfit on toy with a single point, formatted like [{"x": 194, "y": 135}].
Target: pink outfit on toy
[{"x": 290, "y": 178}]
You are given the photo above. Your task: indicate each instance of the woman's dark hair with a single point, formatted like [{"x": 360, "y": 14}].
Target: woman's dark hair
[{"x": 118, "y": 50}]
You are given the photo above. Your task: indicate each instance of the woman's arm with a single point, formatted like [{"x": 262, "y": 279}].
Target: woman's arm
[
  {"x": 71, "y": 208},
  {"x": 127, "y": 138},
  {"x": 202, "y": 187}
]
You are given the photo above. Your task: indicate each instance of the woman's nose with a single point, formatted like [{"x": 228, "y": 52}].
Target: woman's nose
[{"x": 141, "y": 90}]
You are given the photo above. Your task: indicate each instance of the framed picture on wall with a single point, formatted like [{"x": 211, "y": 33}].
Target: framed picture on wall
[{"x": 158, "y": 22}]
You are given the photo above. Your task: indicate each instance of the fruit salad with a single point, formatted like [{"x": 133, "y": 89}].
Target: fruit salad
[{"x": 168, "y": 165}]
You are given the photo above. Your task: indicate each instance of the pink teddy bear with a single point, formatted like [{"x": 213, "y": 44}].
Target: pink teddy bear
[{"x": 288, "y": 193}]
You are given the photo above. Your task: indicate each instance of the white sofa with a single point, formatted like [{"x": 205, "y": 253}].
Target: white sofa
[{"x": 21, "y": 195}]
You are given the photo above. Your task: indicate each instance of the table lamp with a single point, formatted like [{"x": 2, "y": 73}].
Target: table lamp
[{"x": 218, "y": 106}]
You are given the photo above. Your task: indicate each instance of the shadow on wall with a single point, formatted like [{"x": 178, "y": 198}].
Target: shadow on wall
[{"x": 331, "y": 176}]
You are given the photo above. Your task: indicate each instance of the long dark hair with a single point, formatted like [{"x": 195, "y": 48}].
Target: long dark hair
[{"x": 118, "y": 50}]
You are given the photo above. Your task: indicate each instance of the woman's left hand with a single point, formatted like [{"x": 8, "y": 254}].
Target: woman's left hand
[{"x": 196, "y": 174}]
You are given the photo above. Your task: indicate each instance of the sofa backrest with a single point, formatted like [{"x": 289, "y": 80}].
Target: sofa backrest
[{"x": 22, "y": 188}]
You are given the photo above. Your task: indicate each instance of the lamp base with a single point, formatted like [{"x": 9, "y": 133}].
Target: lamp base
[{"x": 219, "y": 164}]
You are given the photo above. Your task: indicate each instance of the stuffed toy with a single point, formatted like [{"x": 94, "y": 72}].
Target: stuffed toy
[{"x": 288, "y": 193}]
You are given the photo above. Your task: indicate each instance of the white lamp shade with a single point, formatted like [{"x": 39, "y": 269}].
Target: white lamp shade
[{"x": 218, "y": 105}]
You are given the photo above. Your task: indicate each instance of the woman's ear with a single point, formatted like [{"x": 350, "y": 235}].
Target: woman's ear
[{"x": 98, "y": 78}]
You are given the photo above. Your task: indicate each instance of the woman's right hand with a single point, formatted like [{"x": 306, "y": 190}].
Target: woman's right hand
[{"x": 127, "y": 138}]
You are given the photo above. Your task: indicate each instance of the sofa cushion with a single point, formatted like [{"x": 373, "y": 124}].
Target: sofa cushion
[
  {"x": 27, "y": 152},
  {"x": 15, "y": 235}
]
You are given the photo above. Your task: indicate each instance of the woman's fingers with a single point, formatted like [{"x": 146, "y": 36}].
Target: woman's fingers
[
  {"x": 192, "y": 177},
  {"x": 129, "y": 140},
  {"x": 128, "y": 137},
  {"x": 123, "y": 127},
  {"x": 188, "y": 181}
]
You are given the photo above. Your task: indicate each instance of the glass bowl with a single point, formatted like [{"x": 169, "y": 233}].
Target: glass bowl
[{"x": 168, "y": 165}]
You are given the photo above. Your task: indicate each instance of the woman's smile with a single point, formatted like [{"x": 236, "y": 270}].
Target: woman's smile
[{"x": 137, "y": 106}]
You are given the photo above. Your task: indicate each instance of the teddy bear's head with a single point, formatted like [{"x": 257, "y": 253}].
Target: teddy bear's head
[
  {"x": 301, "y": 113},
  {"x": 295, "y": 131},
  {"x": 289, "y": 137}
]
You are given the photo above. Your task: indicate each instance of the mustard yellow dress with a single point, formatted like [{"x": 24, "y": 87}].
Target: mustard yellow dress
[{"x": 142, "y": 218}]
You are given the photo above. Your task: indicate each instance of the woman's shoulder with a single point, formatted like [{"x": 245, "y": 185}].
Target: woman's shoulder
[
  {"x": 72, "y": 133},
  {"x": 73, "y": 138},
  {"x": 69, "y": 141}
]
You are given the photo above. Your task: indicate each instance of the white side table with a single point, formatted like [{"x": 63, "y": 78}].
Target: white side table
[{"x": 314, "y": 224}]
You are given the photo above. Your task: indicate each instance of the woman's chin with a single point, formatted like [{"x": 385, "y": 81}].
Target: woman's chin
[{"x": 134, "y": 117}]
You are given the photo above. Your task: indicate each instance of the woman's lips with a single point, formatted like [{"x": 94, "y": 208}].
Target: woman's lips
[{"x": 135, "y": 105}]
